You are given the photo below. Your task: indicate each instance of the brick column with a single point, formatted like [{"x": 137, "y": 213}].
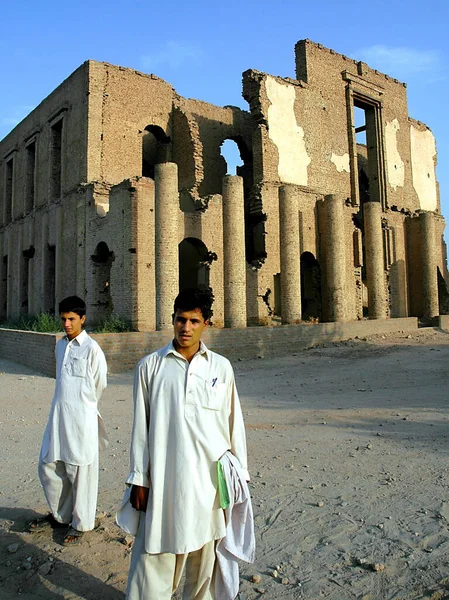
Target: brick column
[
  {"x": 234, "y": 252},
  {"x": 374, "y": 258},
  {"x": 289, "y": 255},
  {"x": 429, "y": 266},
  {"x": 335, "y": 257},
  {"x": 166, "y": 242}
]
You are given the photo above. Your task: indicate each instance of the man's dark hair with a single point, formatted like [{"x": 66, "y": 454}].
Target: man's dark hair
[
  {"x": 193, "y": 298},
  {"x": 73, "y": 304}
]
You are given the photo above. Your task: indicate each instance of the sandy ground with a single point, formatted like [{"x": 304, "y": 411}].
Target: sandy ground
[{"x": 348, "y": 451}]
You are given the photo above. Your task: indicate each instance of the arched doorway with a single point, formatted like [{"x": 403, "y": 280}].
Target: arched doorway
[
  {"x": 194, "y": 264},
  {"x": 310, "y": 287}
]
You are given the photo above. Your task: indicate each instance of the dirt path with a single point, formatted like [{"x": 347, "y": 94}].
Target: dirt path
[{"x": 348, "y": 448}]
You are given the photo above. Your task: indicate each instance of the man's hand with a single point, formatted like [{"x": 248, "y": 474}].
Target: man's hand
[{"x": 139, "y": 497}]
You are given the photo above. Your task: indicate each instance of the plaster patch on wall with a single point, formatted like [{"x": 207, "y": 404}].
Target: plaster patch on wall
[
  {"x": 423, "y": 151},
  {"x": 286, "y": 134},
  {"x": 341, "y": 162},
  {"x": 395, "y": 165}
]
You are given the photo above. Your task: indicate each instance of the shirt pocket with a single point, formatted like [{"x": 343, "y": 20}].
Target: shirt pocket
[
  {"x": 79, "y": 367},
  {"x": 215, "y": 396}
]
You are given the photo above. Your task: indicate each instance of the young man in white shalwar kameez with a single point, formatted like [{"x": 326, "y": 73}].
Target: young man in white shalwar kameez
[
  {"x": 186, "y": 416},
  {"x": 68, "y": 462}
]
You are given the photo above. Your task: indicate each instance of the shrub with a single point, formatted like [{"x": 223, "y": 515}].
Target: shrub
[
  {"x": 41, "y": 323},
  {"x": 114, "y": 324}
]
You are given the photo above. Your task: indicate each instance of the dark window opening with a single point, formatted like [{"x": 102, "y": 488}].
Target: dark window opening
[
  {"x": 27, "y": 255},
  {"x": 443, "y": 294},
  {"x": 194, "y": 264},
  {"x": 310, "y": 288},
  {"x": 30, "y": 176},
  {"x": 155, "y": 146},
  {"x": 9, "y": 190},
  {"x": 56, "y": 160},
  {"x": 4, "y": 288},
  {"x": 50, "y": 280},
  {"x": 102, "y": 262}
]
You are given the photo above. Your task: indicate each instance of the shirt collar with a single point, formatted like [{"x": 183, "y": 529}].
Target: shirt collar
[
  {"x": 170, "y": 349},
  {"x": 80, "y": 338}
]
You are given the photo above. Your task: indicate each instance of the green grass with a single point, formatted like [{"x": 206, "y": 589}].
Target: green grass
[
  {"x": 41, "y": 323},
  {"x": 47, "y": 323},
  {"x": 114, "y": 324}
]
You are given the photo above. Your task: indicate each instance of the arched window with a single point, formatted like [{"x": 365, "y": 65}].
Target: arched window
[
  {"x": 154, "y": 149},
  {"x": 231, "y": 153}
]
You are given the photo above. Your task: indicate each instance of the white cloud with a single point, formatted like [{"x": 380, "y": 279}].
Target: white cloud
[
  {"x": 403, "y": 62},
  {"x": 173, "y": 55}
]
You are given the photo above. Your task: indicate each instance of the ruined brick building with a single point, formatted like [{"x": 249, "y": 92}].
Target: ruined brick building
[{"x": 115, "y": 188}]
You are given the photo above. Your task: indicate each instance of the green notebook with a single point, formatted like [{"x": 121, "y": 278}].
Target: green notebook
[{"x": 222, "y": 487}]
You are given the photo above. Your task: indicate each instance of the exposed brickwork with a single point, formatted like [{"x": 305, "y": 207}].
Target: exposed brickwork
[{"x": 118, "y": 176}]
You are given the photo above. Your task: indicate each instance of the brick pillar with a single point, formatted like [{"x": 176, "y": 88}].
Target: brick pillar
[
  {"x": 429, "y": 266},
  {"x": 290, "y": 255},
  {"x": 374, "y": 258},
  {"x": 234, "y": 252},
  {"x": 335, "y": 257},
  {"x": 166, "y": 242}
]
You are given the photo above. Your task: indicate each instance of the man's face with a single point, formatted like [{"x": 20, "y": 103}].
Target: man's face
[
  {"x": 72, "y": 324},
  {"x": 188, "y": 325}
]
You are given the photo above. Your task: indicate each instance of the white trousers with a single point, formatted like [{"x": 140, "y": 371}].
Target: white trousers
[
  {"x": 156, "y": 576},
  {"x": 71, "y": 492}
]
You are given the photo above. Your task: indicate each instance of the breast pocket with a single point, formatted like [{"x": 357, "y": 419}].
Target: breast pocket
[
  {"x": 215, "y": 396},
  {"x": 79, "y": 367}
]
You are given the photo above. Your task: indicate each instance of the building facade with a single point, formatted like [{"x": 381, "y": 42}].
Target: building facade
[{"x": 115, "y": 189}]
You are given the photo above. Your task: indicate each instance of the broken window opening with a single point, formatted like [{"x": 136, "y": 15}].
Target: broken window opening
[
  {"x": 368, "y": 150},
  {"x": 230, "y": 152},
  {"x": 154, "y": 149},
  {"x": 9, "y": 190},
  {"x": 102, "y": 261},
  {"x": 50, "y": 279},
  {"x": 4, "y": 288},
  {"x": 255, "y": 237},
  {"x": 27, "y": 255},
  {"x": 310, "y": 288},
  {"x": 194, "y": 264},
  {"x": 56, "y": 160},
  {"x": 30, "y": 176}
]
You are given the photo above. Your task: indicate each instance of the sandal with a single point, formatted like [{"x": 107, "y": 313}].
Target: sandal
[
  {"x": 72, "y": 537},
  {"x": 43, "y": 523}
]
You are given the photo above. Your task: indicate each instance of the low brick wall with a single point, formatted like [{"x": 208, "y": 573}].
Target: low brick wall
[
  {"x": 35, "y": 350},
  {"x": 124, "y": 350}
]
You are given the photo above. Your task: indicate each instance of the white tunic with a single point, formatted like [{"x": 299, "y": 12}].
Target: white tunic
[
  {"x": 71, "y": 434},
  {"x": 186, "y": 416}
]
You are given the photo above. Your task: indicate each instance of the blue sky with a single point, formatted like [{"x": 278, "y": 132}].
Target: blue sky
[{"x": 202, "y": 48}]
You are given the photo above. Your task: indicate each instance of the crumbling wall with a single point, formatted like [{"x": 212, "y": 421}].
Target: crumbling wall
[
  {"x": 122, "y": 103},
  {"x": 423, "y": 164}
]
